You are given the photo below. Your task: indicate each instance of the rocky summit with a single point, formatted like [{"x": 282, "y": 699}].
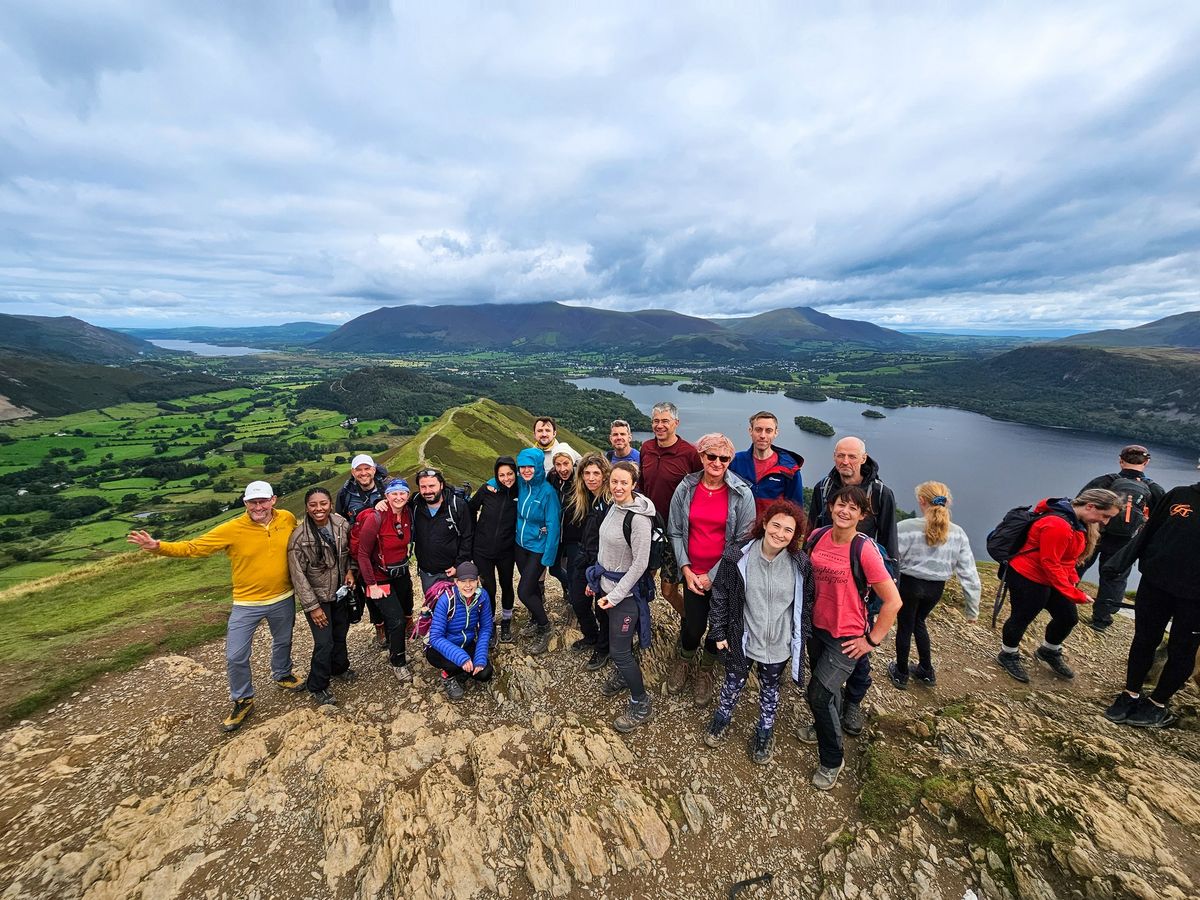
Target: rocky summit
[{"x": 977, "y": 787}]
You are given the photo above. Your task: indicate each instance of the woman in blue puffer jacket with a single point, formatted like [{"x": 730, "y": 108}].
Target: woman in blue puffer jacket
[{"x": 539, "y": 517}]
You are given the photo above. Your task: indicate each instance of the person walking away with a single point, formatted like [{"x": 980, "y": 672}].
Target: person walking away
[
  {"x": 761, "y": 609},
  {"x": 545, "y": 437},
  {"x": 384, "y": 545},
  {"x": 842, "y": 631},
  {"x": 666, "y": 458},
  {"x": 620, "y": 438},
  {"x": 443, "y": 528},
  {"x": 853, "y": 466},
  {"x": 709, "y": 510},
  {"x": 772, "y": 472},
  {"x": 538, "y": 517},
  {"x": 932, "y": 548},
  {"x": 363, "y": 488},
  {"x": 562, "y": 478},
  {"x": 614, "y": 581},
  {"x": 1043, "y": 576},
  {"x": 256, "y": 544},
  {"x": 460, "y": 634},
  {"x": 321, "y": 572},
  {"x": 1169, "y": 592},
  {"x": 494, "y": 507},
  {"x": 587, "y": 507},
  {"x": 1138, "y": 494}
]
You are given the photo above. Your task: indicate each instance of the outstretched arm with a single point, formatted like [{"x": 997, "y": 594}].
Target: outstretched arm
[{"x": 143, "y": 540}]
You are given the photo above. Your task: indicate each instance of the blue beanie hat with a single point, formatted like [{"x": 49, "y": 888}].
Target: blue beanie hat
[{"x": 397, "y": 484}]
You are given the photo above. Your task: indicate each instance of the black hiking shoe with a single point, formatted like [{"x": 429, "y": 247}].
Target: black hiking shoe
[
  {"x": 1011, "y": 663},
  {"x": 1053, "y": 660},
  {"x": 324, "y": 698},
  {"x": 1120, "y": 708},
  {"x": 762, "y": 745},
  {"x": 347, "y": 676},
  {"x": 854, "y": 720},
  {"x": 717, "y": 731},
  {"x": 636, "y": 714},
  {"x": 453, "y": 686},
  {"x": 1100, "y": 625},
  {"x": 925, "y": 676},
  {"x": 582, "y": 644},
  {"x": 597, "y": 661},
  {"x": 506, "y": 635},
  {"x": 541, "y": 640},
  {"x": 898, "y": 678},
  {"x": 615, "y": 685},
  {"x": 1150, "y": 715},
  {"x": 241, "y": 710},
  {"x": 530, "y": 630}
]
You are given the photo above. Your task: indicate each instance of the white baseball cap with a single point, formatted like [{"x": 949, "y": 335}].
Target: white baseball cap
[
  {"x": 362, "y": 460},
  {"x": 258, "y": 490}
]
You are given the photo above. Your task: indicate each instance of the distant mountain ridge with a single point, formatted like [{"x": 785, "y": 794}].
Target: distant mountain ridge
[
  {"x": 69, "y": 338},
  {"x": 1181, "y": 330},
  {"x": 268, "y": 337},
  {"x": 551, "y": 325}
]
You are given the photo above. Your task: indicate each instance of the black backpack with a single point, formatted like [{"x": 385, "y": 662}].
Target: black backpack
[
  {"x": 1004, "y": 542},
  {"x": 871, "y": 599},
  {"x": 1135, "y": 506},
  {"x": 658, "y": 539}
]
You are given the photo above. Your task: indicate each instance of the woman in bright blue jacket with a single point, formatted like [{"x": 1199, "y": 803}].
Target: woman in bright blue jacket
[
  {"x": 460, "y": 634},
  {"x": 538, "y": 521}
]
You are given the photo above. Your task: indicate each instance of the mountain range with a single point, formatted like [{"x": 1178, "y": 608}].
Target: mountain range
[
  {"x": 1182, "y": 330},
  {"x": 66, "y": 337}
]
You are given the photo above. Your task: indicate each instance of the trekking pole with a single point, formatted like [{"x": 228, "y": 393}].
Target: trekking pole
[
  {"x": 1000, "y": 591},
  {"x": 740, "y": 886}
]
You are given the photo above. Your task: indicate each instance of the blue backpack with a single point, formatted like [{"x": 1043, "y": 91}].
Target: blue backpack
[{"x": 871, "y": 599}]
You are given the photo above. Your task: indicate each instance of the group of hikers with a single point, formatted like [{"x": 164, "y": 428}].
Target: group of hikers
[{"x": 757, "y": 580}]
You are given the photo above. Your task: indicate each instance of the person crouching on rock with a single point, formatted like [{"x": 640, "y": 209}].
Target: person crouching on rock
[
  {"x": 761, "y": 610},
  {"x": 842, "y": 633},
  {"x": 460, "y": 634},
  {"x": 1043, "y": 575},
  {"x": 617, "y": 584},
  {"x": 319, "y": 563}
]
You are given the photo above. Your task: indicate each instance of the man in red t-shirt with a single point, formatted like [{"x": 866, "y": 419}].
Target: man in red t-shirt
[{"x": 666, "y": 458}]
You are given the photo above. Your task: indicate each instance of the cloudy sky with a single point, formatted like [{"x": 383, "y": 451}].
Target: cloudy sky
[{"x": 1027, "y": 166}]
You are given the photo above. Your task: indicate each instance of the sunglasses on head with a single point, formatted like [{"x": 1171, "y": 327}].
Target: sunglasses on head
[
  {"x": 429, "y": 473},
  {"x": 713, "y": 457}
]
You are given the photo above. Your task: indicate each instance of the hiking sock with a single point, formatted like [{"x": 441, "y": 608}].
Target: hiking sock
[
  {"x": 1011, "y": 651},
  {"x": 506, "y": 614},
  {"x": 1053, "y": 648}
]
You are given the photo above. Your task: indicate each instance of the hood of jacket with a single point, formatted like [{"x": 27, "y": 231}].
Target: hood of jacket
[
  {"x": 639, "y": 504},
  {"x": 531, "y": 456},
  {"x": 869, "y": 470},
  {"x": 1062, "y": 506},
  {"x": 494, "y": 481}
]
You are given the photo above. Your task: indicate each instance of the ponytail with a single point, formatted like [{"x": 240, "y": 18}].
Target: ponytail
[
  {"x": 1101, "y": 499},
  {"x": 937, "y": 499}
]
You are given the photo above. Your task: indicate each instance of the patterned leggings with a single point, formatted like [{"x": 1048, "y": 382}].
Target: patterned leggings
[{"x": 768, "y": 693}]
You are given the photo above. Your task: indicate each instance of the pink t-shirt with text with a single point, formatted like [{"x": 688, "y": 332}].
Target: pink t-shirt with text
[{"x": 838, "y": 608}]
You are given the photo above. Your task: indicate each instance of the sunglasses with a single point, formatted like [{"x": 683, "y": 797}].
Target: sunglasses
[
  {"x": 429, "y": 473},
  {"x": 713, "y": 457}
]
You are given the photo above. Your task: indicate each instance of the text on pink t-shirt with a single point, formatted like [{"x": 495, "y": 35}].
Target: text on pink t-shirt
[{"x": 839, "y": 608}]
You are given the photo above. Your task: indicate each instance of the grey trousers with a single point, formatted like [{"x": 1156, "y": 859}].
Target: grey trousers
[{"x": 239, "y": 635}]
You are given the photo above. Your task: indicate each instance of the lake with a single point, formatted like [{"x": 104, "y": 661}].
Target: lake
[
  {"x": 201, "y": 349},
  {"x": 990, "y": 466}
]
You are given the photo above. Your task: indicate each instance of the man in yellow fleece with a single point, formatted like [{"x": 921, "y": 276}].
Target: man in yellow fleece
[{"x": 256, "y": 544}]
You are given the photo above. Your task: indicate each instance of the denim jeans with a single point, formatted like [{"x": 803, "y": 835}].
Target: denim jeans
[{"x": 239, "y": 635}]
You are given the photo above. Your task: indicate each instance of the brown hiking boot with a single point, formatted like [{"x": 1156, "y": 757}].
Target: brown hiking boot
[
  {"x": 677, "y": 677},
  {"x": 705, "y": 683}
]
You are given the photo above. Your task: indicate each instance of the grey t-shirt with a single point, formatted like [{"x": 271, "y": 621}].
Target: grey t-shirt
[{"x": 770, "y": 597}]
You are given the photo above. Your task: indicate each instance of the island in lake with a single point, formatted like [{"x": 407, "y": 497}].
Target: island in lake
[
  {"x": 691, "y": 387},
  {"x": 873, "y": 414},
  {"x": 814, "y": 426}
]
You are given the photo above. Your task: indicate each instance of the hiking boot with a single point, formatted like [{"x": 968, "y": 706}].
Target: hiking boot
[
  {"x": 677, "y": 677},
  {"x": 241, "y": 710},
  {"x": 923, "y": 675},
  {"x": 807, "y": 734},
  {"x": 898, "y": 678},
  {"x": 289, "y": 683},
  {"x": 1011, "y": 663},
  {"x": 347, "y": 676},
  {"x": 637, "y": 713},
  {"x": 403, "y": 674},
  {"x": 454, "y": 687},
  {"x": 506, "y": 635},
  {"x": 1053, "y": 660},
  {"x": 1150, "y": 715},
  {"x": 597, "y": 661},
  {"x": 529, "y": 630},
  {"x": 825, "y": 778},
  {"x": 717, "y": 731},
  {"x": 1121, "y": 708},
  {"x": 1100, "y": 625},
  {"x": 704, "y": 684},
  {"x": 762, "y": 745},
  {"x": 381, "y": 638},
  {"x": 324, "y": 698},
  {"x": 541, "y": 640},
  {"x": 854, "y": 720},
  {"x": 582, "y": 644},
  {"x": 615, "y": 685}
]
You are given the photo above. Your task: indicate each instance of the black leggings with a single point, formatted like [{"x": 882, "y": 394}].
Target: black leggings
[
  {"x": 1028, "y": 598},
  {"x": 489, "y": 569},
  {"x": 593, "y": 621},
  {"x": 530, "y": 588},
  {"x": 440, "y": 662},
  {"x": 1154, "y": 608},
  {"x": 919, "y": 598},
  {"x": 397, "y": 610},
  {"x": 622, "y": 626},
  {"x": 695, "y": 622}
]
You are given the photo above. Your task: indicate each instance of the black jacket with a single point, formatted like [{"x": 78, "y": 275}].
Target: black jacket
[
  {"x": 446, "y": 538},
  {"x": 1166, "y": 545},
  {"x": 881, "y": 525},
  {"x": 495, "y": 510},
  {"x": 352, "y": 499},
  {"x": 569, "y": 530},
  {"x": 589, "y": 535}
]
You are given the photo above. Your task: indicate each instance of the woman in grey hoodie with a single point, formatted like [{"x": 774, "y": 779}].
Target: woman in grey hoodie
[{"x": 620, "y": 566}]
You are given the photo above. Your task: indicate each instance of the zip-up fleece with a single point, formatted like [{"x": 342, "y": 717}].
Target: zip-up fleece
[
  {"x": 317, "y": 569},
  {"x": 1052, "y": 549},
  {"x": 737, "y": 524},
  {"x": 495, "y": 508},
  {"x": 615, "y": 554},
  {"x": 954, "y": 557},
  {"x": 257, "y": 554},
  {"x": 538, "y": 510},
  {"x": 467, "y": 623},
  {"x": 880, "y": 524},
  {"x": 444, "y": 539},
  {"x": 782, "y": 480}
]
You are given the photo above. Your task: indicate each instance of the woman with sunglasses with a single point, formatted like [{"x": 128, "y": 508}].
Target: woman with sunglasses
[{"x": 710, "y": 509}]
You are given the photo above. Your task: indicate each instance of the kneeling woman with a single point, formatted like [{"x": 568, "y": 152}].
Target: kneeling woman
[
  {"x": 841, "y": 634},
  {"x": 761, "y": 608},
  {"x": 319, "y": 562},
  {"x": 615, "y": 579},
  {"x": 460, "y": 634}
]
